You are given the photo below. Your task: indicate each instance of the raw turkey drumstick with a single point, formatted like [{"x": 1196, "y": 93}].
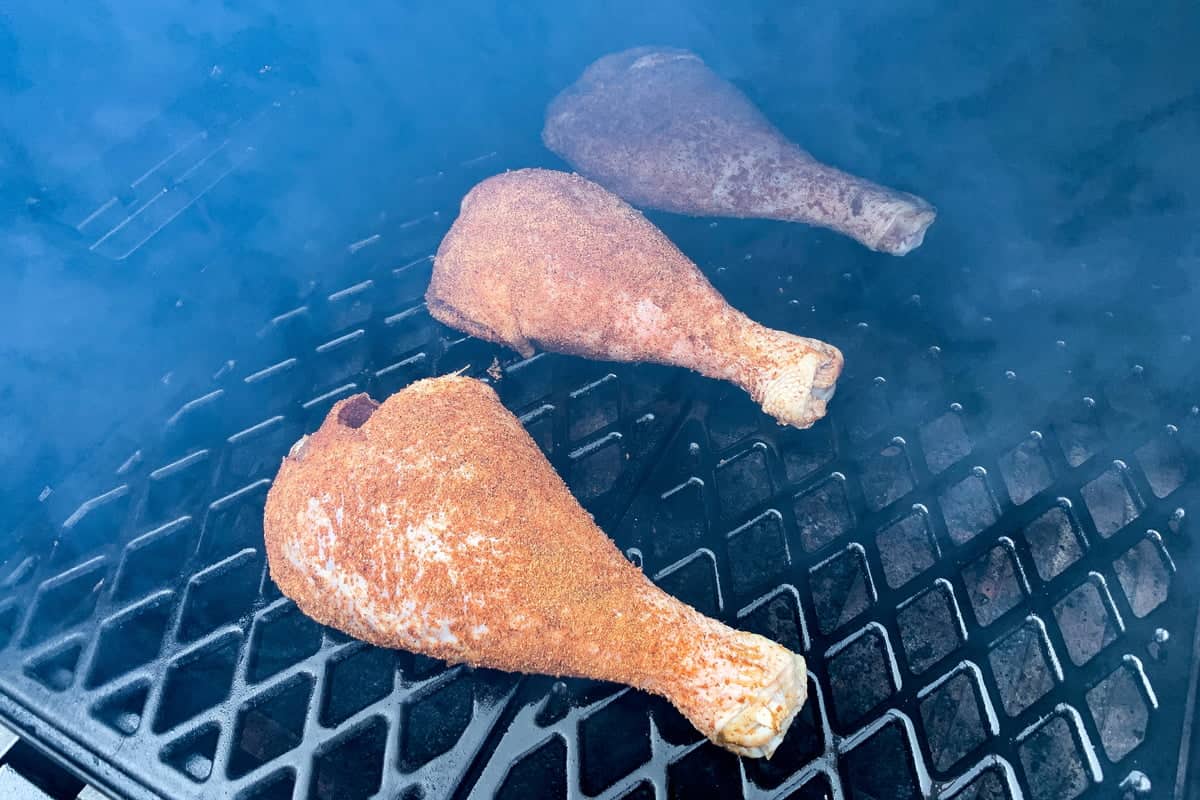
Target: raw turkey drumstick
[
  {"x": 433, "y": 523},
  {"x": 545, "y": 258},
  {"x": 661, "y": 129}
]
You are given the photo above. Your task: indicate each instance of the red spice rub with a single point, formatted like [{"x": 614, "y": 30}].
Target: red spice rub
[
  {"x": 661, "y": 129},
  {"x": 432, "y": 522},
  {"x": 545, "y": 258}
]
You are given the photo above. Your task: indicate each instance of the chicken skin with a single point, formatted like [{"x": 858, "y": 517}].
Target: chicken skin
[
  {"x": 549, "y": 259},
  {"x": 433, "y": 523},
  {"x": 661, "y": 129}
]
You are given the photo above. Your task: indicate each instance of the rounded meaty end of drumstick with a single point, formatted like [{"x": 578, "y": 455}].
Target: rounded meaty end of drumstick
[
  {"x": 909, "y": 218},
  {"x": 798, "y": 393},
  {"x": 757, "y": 729}
]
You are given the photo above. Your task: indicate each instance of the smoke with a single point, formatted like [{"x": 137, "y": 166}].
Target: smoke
[{"x": 1057, "y": 140}]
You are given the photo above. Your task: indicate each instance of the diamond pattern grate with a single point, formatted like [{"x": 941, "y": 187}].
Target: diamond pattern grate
[{"x": 984, "y": 583}]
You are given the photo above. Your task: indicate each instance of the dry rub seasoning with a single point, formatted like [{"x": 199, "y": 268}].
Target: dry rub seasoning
[{"x": 433, "y": 523}]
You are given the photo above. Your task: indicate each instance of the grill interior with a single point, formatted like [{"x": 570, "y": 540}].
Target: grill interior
[
  {"x": 982, "y": 552},
  {"x": 986, "y": 585}
]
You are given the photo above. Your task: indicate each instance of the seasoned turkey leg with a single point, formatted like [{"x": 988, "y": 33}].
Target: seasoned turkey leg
[
  {"x": 544, "y": 258},
  {"x": 434, "y": 524},
  {"x": 659, "y": 128}
]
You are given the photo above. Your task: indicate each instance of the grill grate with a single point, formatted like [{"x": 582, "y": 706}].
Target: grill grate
[{"x": 980, "y": 553}]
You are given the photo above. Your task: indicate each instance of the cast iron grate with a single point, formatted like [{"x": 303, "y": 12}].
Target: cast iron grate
[{"x": 983, "y": 583}]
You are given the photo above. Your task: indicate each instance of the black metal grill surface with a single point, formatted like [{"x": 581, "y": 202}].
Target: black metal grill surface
[{"x": 983, "y": 553}]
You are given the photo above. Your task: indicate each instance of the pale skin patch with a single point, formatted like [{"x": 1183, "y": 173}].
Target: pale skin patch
[{"x": 500, "y": 566}]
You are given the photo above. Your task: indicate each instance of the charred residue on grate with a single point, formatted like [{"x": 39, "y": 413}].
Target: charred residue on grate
[
  {"x": 906, "y": 548},
  {"x": 990, "y": 783},
  {"x": 1120, "y": 705},
  {"x": 969, "y": 506},
  {"x": 743, "y": 481},
  {"x": 842, "y": 588},
  {"x": 1144, "y": 572},
  {"x": 862, "y": 676},
  {"x": 1055, "y": 540},
  {"x": 933, "y": 547},
  {"x": 995, "y": 582},
  {"x": 931, "y": 626},
  {"x": 957, "y": 716},
  {"x": 1025, "y": 470},
  {"x": 1057, "y": 758},
  {"x": 823, "y": 512},
  {"x": 1024, "y": 665},
  {"x": 1111, "y": 500}
]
